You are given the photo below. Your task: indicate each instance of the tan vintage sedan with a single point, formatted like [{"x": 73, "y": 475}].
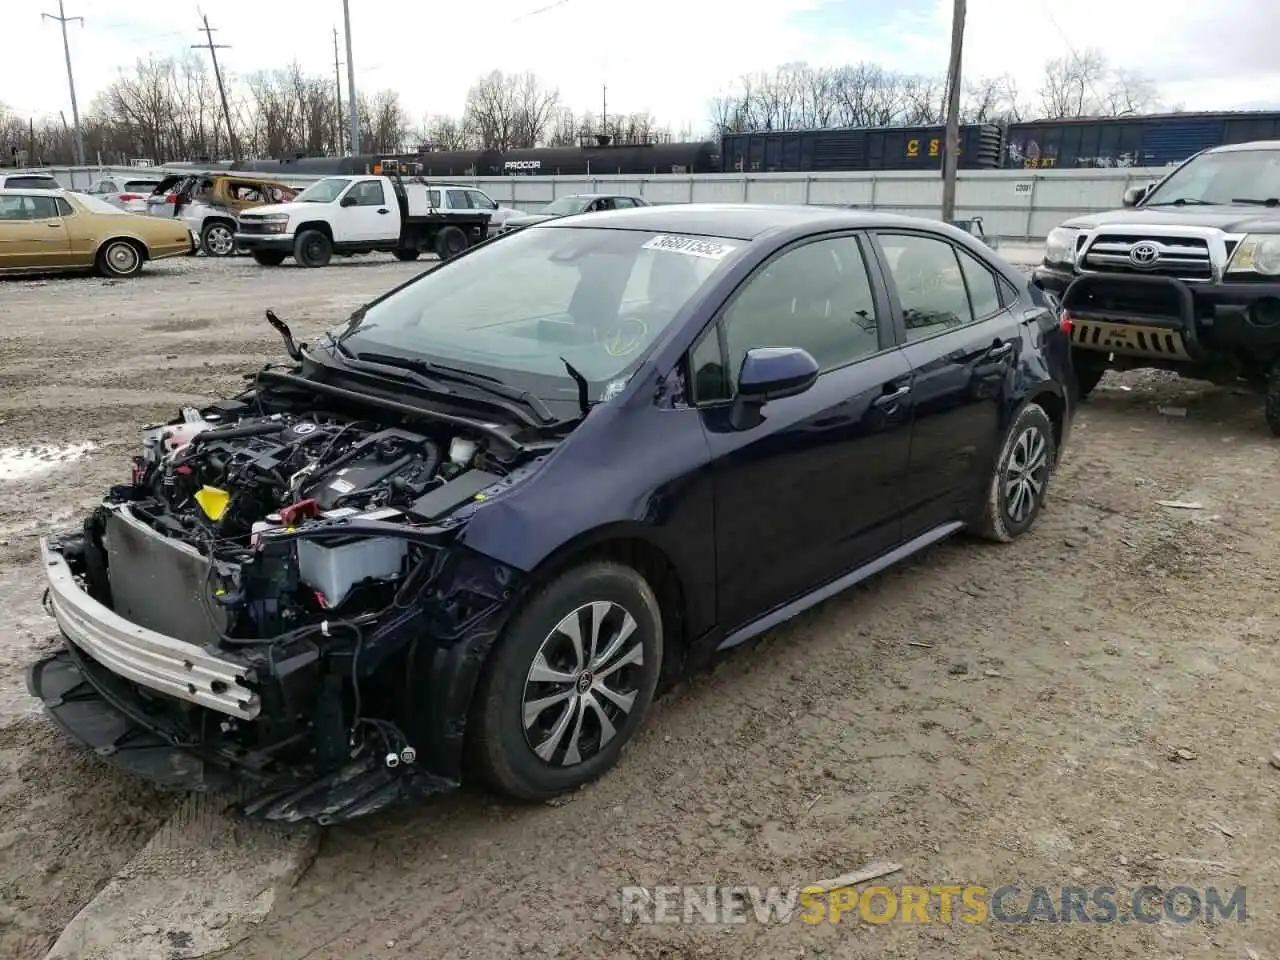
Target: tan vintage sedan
[{"x": 55, "y": 230}]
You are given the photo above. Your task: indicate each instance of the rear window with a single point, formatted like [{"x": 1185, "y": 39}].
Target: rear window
[
  {"x": 140, "y": 186},
  {"x": 39, "y": 182}
]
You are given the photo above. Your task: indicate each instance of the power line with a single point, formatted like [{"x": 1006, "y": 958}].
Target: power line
[
  {"x": 63, "y": 19},
  {"x": 213, "y": 49}
]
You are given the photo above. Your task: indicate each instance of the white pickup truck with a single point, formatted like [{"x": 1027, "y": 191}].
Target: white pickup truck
[{"x": 359, "y": 214}]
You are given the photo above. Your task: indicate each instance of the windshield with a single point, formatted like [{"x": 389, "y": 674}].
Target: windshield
[
  {"x": 597, "y": 298},
  {"x": 1216, "y": 178},
  {"x": 566, "y": 206},
  {"x": 323, "y": 191}
]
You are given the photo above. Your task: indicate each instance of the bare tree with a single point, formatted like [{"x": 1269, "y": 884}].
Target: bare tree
[
  {"x": 992, "y": 100},
  {"x": 445, "y": 133}
]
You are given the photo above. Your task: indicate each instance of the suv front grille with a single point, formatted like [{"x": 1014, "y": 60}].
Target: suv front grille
[{"x": 1186, "y": 258}]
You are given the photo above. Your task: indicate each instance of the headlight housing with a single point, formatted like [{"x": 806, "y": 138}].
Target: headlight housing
[
  {"x": 1257, "y": 254},
  {"x": 1060, "y": 245}
]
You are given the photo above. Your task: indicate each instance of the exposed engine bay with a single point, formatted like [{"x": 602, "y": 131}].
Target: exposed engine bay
[{"x": 309, "y": 554}]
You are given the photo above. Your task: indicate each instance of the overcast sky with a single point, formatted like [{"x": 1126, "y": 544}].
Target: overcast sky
[{"x": 666, "y": 56}]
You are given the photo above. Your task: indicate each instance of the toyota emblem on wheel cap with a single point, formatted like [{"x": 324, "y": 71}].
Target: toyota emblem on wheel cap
[{"x": 1144, "y": 254}]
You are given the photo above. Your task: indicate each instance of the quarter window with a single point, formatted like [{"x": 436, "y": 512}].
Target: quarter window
[
  {"x": 816, "y": 297},
  {"x": 930, "y": 284},
  {"x": 984, "y": 295},
  {"x": 706, "y": 368}
]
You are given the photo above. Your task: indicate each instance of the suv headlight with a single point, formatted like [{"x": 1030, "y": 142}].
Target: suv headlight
[
  {"x": 1060, "y": 245},
  {"x": 1258, "y": 254}
]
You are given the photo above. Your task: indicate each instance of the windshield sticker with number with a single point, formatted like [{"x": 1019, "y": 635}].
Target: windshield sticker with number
[{"x": 691, "y": 246}]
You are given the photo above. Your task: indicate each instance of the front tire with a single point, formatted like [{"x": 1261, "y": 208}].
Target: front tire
[
  {"x": 1089, "y": 367},
  {"x": 268, "y": 258},
  {"x": 1020, "y": 481},
  {"x": 569, "y": 683},
  {"x": 406, "y": 254},
  {"x": 120, "y": 258},
  {"x": 311, "y": 248},
  {"x": 1273, "y": 399}
]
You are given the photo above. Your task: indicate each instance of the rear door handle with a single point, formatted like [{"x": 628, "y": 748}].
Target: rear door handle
[
  {"x": 383, "y": 210},
  {"x": 891, "y": 398}
]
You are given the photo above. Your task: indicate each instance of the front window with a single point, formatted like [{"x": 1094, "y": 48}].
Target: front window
[
  {"x": 566, "y": 206},
  {"x": 596, "y": 298},
  {"x": 324, "y": 191},
  {"x": 1235, "y": 176}
]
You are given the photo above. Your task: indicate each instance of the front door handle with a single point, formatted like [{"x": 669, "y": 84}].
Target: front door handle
[
  {"x": 891, "y": 398},
  {"x": 383, "y": 210},
  {"x": 1000, "y": 350}
]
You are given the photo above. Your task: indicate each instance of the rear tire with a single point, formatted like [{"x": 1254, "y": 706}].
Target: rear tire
[
  {"x": 1020, "y": 481},
  {"x": 120, "y": 258},
  {"x": 268, "y": 258},
  {"x": 311, "y": 248},
  {"x": 450, "y": 242},
  {"x": 217, "y": 239},
  {"x": 533, "y": 738}
]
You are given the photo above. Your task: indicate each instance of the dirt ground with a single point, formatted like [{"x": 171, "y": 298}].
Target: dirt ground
[{"x": 1093, "y": 705}]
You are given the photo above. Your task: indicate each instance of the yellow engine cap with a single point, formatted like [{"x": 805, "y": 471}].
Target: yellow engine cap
[{"x": 213, "y": 502}]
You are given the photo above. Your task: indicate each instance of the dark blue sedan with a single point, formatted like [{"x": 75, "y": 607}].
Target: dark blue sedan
[{"x": 479, "y": 524}]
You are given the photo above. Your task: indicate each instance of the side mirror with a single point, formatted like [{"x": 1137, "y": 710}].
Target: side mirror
[
  {"x": 1133, "y": 196},
  {"x": 347, "y": 201},
  {"x": 771, "y": 373}
]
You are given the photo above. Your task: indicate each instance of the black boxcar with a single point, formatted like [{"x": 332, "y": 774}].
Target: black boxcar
[
  {"x": 858, "y": 148},
  {"x": 1157, "y": 140}
]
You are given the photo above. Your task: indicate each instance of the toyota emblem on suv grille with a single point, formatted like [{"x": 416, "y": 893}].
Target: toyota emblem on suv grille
[{"x": 1144, "y": 254}]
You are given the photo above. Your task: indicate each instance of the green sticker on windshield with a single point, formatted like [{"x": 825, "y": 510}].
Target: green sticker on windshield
[{"x": 691, "y": 246}]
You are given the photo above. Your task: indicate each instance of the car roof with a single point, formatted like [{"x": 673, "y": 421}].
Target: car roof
[
  {"x": 1251, "y": 145},
  {"x": 745, "y": 221},
  {"x": 25, "y": 191}
]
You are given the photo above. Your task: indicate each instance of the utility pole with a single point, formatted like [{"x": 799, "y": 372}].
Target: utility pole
[
  {"x": 63, "y": 19},
  {"x": 213, "y": 49},
  {"x": 337, "y": 83},
  {"x": 604, "y": 109},
  {"x": 951, "y": 158},
  {"x": 351, "y": 82}
]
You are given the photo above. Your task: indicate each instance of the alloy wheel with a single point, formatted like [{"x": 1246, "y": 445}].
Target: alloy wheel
[
  {"x": 219, "y": 241},
  {"x": 1026, "y": 474},
  {"x": 583, "y": 683}
]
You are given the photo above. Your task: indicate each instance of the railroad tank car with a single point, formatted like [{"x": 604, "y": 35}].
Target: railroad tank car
[
  {"x": 615, "y": 159},
  {"x": 857, "y": 148}
]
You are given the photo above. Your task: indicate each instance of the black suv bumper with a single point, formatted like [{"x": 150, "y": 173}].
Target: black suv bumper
[{"x": 1165, "y": 317}]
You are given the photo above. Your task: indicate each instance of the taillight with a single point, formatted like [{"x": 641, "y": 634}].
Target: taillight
[
  {"x": 125, "y": 197},
  {"x": 170, "y": 198},
  {"x": 1065, "y": 322}
]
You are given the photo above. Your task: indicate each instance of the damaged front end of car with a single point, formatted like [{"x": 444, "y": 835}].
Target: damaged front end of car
[{"x": 278, "y": 600}]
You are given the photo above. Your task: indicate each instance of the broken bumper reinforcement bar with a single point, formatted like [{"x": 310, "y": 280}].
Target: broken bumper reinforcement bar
[{"x": 161, "y": 663}]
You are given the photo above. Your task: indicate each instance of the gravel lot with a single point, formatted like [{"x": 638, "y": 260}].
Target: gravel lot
[{"x": 980, "y": 715}]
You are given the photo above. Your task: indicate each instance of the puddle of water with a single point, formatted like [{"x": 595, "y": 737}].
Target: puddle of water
[{"x": 23, "y": 463}]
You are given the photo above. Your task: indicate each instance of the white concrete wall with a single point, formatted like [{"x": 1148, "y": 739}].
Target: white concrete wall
[{"x": 1014, "y": 204}]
